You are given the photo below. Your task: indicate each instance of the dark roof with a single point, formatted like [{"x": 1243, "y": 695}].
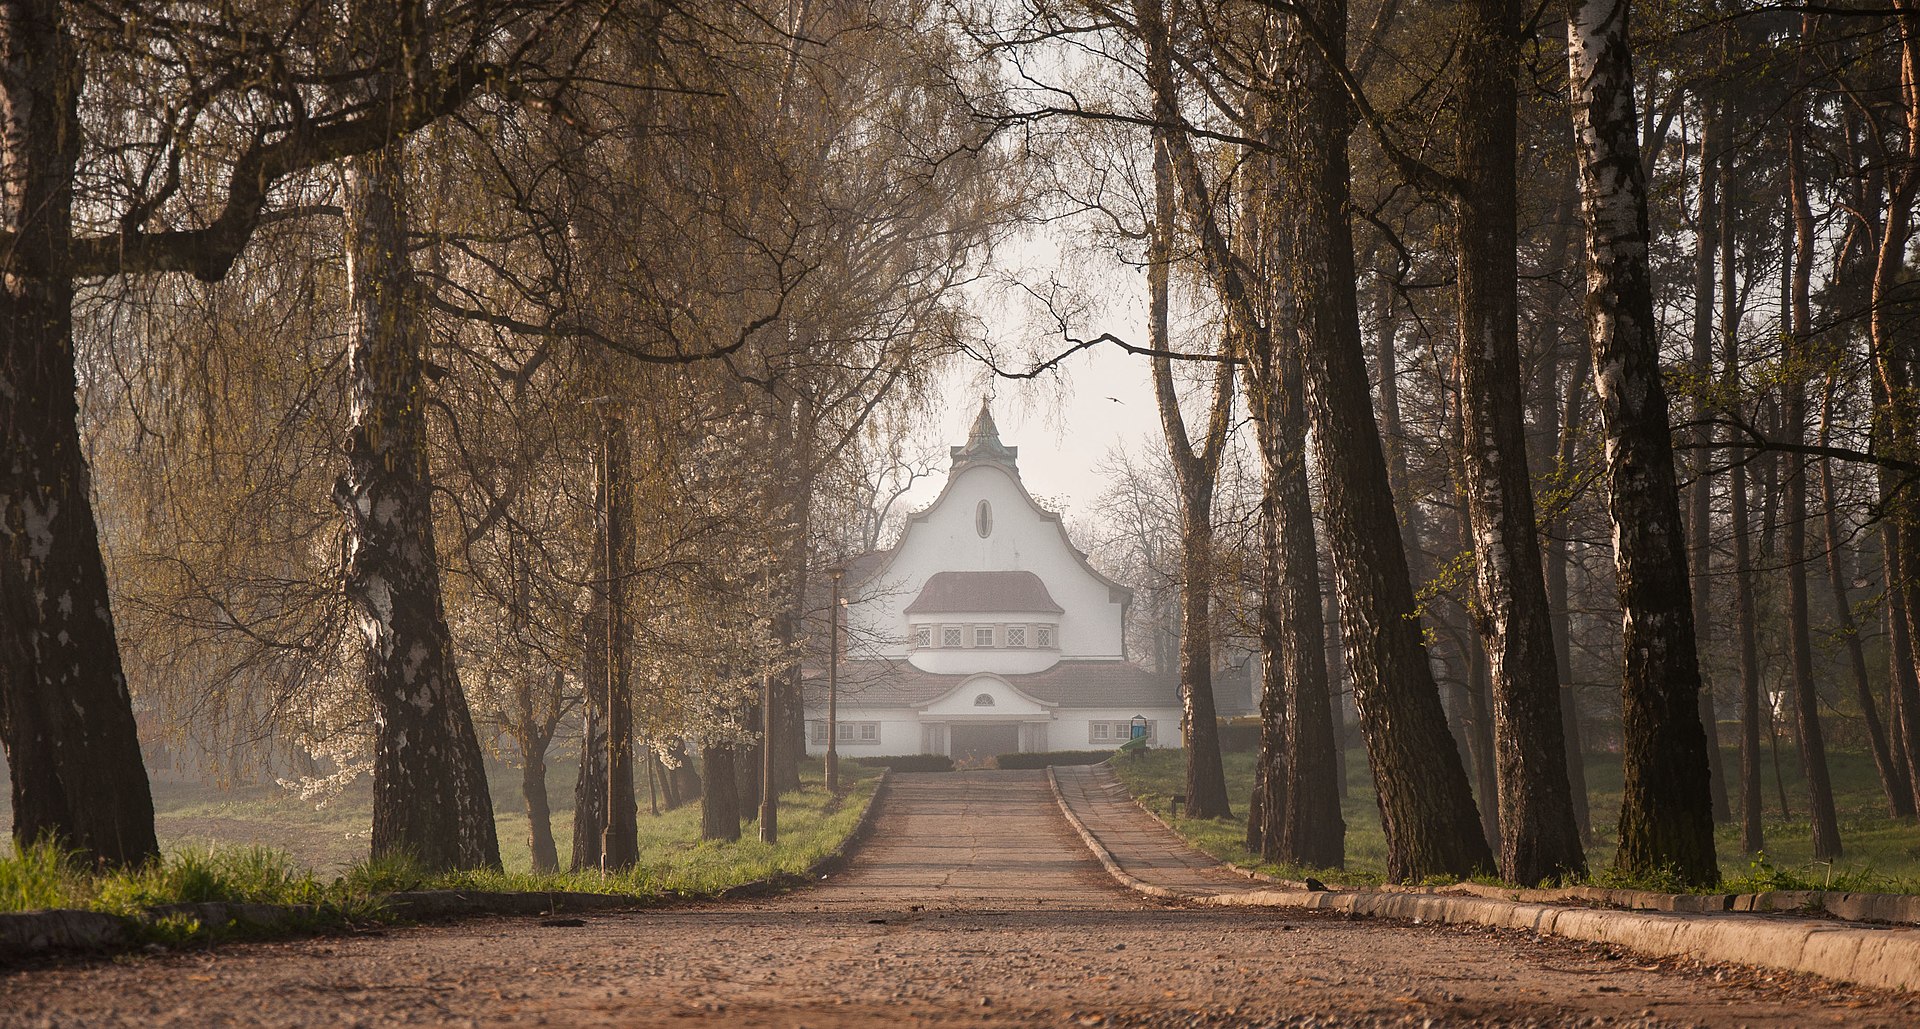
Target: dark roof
[{"x": 951, "y": 592}]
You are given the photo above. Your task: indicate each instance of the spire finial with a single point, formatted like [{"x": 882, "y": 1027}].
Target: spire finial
[{"x": 983, "y": 441}]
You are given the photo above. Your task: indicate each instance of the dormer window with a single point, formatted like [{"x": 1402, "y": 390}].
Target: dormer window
[
  {"x": 983, "y": 700},
  {"x": 922, "y": 636},
  {"x": 1043, "y": 636},
  {"x": 983, "y": 636},
  {"x": 950, "y": 636},
  {"x": 983, "y": 519},
  {"x": 1016, "y": 635}
]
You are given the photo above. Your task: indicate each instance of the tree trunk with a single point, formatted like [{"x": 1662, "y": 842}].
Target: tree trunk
[
  {"x": 620, "y": 846},
  {"x": 1336, "y": 686},
  {"x": 1752, "y": 832},
  {"x": 1477, "y": 690},
  {"x": 1304, "y": 823},
  {"x": 429, "y": 784},
  {"x": 1559, "y": 426},
  {"x": 1194, "y": 471},
  {"x": 66, "y": 718},
  {"x": 1902, "y": 680},
  {"x": 1806, "y": 697},
  {"x": 1895, "y": 783},
  {"x": 536, "y": 733},
  {"x": 1426, "y": 807},
  {"x": 1896, "y": 420},
  {"x": 746, "y": 770},
  {"x": 533, "y": 785},
  {"x": 720, "y": 801},
  {"x": 590, "y": 786},
  {"x": 1538, "y": 838},
  {"x": 1666, "y": 812},
  {"x": 1713, "y": 153},
  {"x": 684, "y": 782},
  {"x": 800, "y": 478}
]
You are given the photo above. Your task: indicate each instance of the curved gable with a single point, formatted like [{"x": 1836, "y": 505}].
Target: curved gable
[{"x": 1121, "y": 594}]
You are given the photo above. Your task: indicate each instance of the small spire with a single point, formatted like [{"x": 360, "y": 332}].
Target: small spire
[{"x": 983, "y": 441}]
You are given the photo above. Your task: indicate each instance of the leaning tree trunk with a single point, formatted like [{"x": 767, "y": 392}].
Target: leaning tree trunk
[
  {"x": 1666, "y": 812},
  {"x": 1303, "y": 822},
  {"x": 1314, "y": 831},
  {"x": 430, "y": 797},
  {"x": 66, "y": 718},
  {"x": 1896, "y": 422},
  {"x": 1806, "y": 696},
  {"x": 1894, "y": 781},
  {"x": 1902, "y": 682},
  {"x": 1426, "y": 807},
  {"x": 1538, "y": 837},
  {"x": 1194, "y": 471}
]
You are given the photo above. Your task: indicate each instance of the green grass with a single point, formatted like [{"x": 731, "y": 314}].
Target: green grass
[
  {"x": 674, "y": 863},
  {"x": 1881, "y": 855},
  {"x": 333, "y": 836}
]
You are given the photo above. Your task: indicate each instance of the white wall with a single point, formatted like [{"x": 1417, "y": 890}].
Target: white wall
[
  {"x": 1071, "y": 731},
  {"x": 943, "y": 538},
  {"x": 967, "y": 658},
  {"x": 1008, "y": 703},
  {"x": 899, "y": 731}
]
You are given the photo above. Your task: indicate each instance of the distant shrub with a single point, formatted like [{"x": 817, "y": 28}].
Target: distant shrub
[
  {"x": 1239, "y": 735},
  {"x": 908, "y": 762},
  {"x": 1042, "y": 759}
]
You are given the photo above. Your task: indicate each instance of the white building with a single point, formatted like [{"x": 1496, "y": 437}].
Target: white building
[{"x": 984, "y": 631}]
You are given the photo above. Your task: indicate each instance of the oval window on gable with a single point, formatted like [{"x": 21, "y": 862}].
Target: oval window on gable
[
  {"x": 983, "y": 519},
  {"x": 983, "y": 700}
]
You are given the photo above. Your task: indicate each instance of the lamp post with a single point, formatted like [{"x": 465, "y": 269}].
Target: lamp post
[
  {"x": 833, "y": 683},
  {"x": 769, "y": 787}
]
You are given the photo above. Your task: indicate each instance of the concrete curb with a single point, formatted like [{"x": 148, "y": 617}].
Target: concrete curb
[
  {"x": 1887, "y": 958},
  {"x": 1878, "y": 908},
  {"x": 25, "y": 934}
]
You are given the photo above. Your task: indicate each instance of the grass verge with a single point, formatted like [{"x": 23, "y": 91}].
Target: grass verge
[
  {"x": 674, "y": 864},
  {"x": 1882, "y": 855}
]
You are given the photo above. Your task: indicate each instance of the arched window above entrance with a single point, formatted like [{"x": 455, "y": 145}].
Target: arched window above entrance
[{"x": 983, "y": 700}]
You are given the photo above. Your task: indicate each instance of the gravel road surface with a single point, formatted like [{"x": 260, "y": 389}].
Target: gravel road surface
[{"x": 972, "y": 905}]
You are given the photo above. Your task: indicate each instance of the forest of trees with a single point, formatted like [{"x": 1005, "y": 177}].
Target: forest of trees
[{"x": 392, "y": 384}]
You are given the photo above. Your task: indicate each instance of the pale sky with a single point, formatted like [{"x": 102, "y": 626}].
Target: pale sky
[{"x": 1068, "y": 420}]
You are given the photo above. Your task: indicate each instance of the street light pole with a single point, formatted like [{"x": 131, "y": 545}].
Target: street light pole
[
  {"x": 833, "y": 684},
  {"x": 769, "y": 788}
]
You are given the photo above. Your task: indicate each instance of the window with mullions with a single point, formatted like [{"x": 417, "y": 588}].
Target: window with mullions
[{"x": 849, "y": 732}]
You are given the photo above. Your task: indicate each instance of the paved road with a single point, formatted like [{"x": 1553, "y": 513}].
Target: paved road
[{"x": 972, "y": 906}]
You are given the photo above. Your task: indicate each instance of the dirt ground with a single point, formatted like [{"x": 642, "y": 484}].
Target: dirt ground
[{"x": 972, "y": 905}]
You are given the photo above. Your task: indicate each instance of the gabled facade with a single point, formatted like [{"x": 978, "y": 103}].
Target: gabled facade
[{"x": 985, "y": 631}]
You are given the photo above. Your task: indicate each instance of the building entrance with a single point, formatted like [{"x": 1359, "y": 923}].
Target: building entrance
[{"x": 973, "y": 744}]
